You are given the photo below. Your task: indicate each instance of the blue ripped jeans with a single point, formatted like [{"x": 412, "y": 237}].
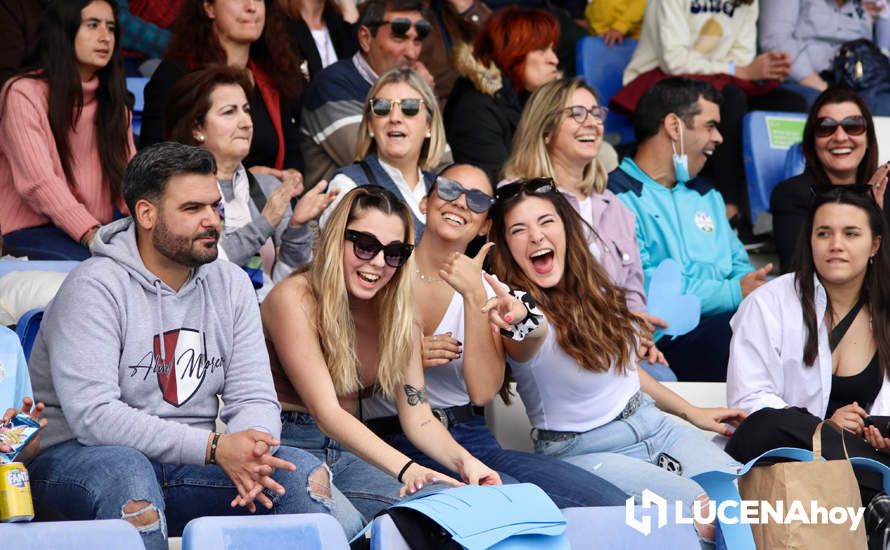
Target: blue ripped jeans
[
  {"x": 75, "y": 482},
  {"x": 625, "y": 452},
  {"x": 368, "y": 488}
]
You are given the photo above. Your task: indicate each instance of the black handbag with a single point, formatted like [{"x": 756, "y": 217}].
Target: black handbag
[{"x": 860, "y": 65}]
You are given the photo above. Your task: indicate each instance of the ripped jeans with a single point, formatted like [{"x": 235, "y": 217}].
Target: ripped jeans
[{"x": 70, "y": 481}]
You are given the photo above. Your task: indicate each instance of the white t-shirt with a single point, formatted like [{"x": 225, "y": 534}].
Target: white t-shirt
[
  {"x": 560, "y": 395},
  {"x": 344, "y": 184},
  {"x": 325, "y": 46},
  {"x": 445, "y": 385}
]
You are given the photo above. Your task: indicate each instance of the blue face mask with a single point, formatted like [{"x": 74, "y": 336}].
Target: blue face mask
[{"x": 681, "y": 161}]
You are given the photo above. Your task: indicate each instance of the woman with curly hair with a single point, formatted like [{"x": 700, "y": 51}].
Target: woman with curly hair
[
  {"x": 244, "y": 34},
  {"x": 588, "y": 402}
]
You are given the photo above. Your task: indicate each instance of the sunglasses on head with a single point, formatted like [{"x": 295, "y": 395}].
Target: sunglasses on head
[
  {"x": 401, "y": 25},
  {"x": 579, "y": 113},
  {"x": 449, "y": 190},
  {"x": 366, "y": 246},
  {"x": 382, "y": 107},
  {"x": 535, "y": 186},
  {"x": 852, "y": 125}
]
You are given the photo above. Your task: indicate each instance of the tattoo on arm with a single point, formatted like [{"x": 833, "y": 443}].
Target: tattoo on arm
[
  {"x": 425, "y": 422},
  {"x": 415, "y": 396}
]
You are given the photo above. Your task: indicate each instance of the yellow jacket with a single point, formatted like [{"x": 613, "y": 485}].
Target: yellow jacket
[{"x": 625, "y": 16}]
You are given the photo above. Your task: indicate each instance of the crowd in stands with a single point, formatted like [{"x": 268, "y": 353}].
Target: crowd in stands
[{"x": 344, "y": 229}]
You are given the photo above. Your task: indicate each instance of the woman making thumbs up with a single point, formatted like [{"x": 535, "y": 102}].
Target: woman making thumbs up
[{"x": 459, "y": 307}]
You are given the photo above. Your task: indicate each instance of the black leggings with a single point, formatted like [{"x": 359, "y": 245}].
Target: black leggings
[{"x": 767, "y": 429}]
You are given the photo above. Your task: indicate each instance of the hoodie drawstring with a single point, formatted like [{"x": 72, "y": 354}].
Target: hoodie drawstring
[{"x": 162, "y": 360}]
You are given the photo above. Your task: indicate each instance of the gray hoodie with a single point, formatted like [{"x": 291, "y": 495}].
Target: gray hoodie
[{"x": 98, "y": 355}]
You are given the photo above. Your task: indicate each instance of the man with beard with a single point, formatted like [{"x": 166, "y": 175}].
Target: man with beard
[{"x": 130, "y": 359}]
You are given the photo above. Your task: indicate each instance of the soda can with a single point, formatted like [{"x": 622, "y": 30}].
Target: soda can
[{"x": 15, "y": 493}]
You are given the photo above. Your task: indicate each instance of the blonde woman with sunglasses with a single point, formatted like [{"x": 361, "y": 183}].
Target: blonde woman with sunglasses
[
  {"x": 461, "y": 308},
  {"x": 400, "y": 140},
  {"x": 346, "y": 329}
]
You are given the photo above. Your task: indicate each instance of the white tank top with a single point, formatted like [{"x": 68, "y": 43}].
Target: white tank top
[
  {"x": 559, "y": 395},
  {"x": 445, "y": 385}
]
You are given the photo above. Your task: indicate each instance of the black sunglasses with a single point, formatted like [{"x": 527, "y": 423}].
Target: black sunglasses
[
  {"x": 579, "y": 113},
  {"x": 366, "y": 246},
  {"x": 852, "y": 125},
  {"x": 382, "y": 107},
  {"x": 534, "y": 186},
  {"x": 401, "y": 25},
  {"x": 449, "y": 190}
]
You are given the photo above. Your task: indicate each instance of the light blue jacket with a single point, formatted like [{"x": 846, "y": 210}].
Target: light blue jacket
[{"x": 687, "y": 223}]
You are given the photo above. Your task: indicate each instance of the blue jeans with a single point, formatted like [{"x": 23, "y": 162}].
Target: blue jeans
[
  {"x": 44, "y": 242},
  {"x": 567, "y": 485},
  {"x": 75, "y": 482},
  {"x": 625, "y": 452},
  {"x": 368, "y": 488}
]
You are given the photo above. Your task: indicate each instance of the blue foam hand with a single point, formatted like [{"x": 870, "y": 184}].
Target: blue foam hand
[{"x": 666, "y": 300}]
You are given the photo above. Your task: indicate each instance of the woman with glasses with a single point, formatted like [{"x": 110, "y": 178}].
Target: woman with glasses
[
  {"x": 345, "y": 328},
  {"x": 262, "y": 233},
  {"x": 840, "y": 147},
  {"x": 815, "y": 344},
  {"x": 468, "y": 319},
  {"x": 586, "y": 399},
  {"x": 560, "y": 136},
  {"x": 400, "y": 140}
]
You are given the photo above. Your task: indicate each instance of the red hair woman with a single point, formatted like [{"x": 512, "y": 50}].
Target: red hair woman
[{"x": 512, "y": 56}]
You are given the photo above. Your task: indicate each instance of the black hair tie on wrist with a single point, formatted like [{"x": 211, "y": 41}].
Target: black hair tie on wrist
[{"x": 404, "y": 469}]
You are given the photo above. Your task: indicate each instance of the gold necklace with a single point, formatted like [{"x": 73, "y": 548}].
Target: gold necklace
[{"x": 425, "y": 279}]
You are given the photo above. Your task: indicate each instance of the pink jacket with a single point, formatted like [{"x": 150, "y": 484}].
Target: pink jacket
[
  {"x": 33, "y": 187},
  {"x": 619, "y": 251}
]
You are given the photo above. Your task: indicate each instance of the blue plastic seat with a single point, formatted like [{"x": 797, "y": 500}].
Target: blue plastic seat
[
  {"x": 766, "y": 138},
  {"x": 794, "y": 161},
  {"x": 602, "y": 67},
  {"x": 600, "y": 527},
  {"x": 27, "y": 329},
  {"x": 71, "y": 535},
  {"x": 284, "y": 532},
  {"x": 136, "y": 86},
  {"x": 62, "y": 266}
]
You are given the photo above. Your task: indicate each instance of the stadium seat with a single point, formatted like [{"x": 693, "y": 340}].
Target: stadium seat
[
  {"x": 8, "y": 266},
  {"x": 766, "y": 138},
  {"x": 71, "y": 535},
  {"x": 27, "y": 328},
  {"x": 136, "y": 86},
  {"x": 602, "y": 67},
  {"x": 284, "y": 532},
  {"x": 794, "y": 161},
  {"x": 606, "y": 525}
]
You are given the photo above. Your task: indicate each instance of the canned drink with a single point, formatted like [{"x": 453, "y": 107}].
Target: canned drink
[{"x": 15, "y": 493}]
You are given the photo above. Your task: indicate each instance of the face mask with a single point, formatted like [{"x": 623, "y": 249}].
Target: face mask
[{"x": 681, "y": 161}]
